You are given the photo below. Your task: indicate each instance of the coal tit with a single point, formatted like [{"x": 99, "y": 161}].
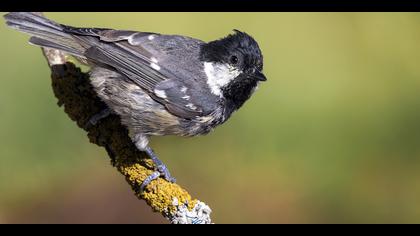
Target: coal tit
[{"x": 158, "y": 84}]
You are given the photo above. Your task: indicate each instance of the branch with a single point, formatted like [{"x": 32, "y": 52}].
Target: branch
[{"x": 74, "y": 92}]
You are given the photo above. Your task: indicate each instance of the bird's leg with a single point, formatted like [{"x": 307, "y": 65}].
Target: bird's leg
[
  {"x": 161, "y": 169},
  {"x": 97, "y": 117}
]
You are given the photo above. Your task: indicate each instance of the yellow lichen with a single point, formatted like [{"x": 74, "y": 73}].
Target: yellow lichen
[{"x": 159, "y": 194}]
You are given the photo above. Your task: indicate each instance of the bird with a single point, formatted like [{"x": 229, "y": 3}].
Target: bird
[{"x": 158, "y": 84}]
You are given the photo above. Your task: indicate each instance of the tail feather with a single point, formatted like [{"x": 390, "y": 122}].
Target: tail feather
[
  {"x": 32, "y": 17},
  {"x": 45, "y": 43},
  {"x": 45, "y": 32}
]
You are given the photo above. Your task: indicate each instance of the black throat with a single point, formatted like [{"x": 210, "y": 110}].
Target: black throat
[{"x": 237, "y": 92}]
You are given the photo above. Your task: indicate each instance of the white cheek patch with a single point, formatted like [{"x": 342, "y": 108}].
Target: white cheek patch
[
  {"x": 151, "y": 37},
  {"x": 219, "y": 75}
]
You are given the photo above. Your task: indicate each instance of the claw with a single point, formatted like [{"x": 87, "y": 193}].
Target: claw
[
  {"x": 149, "y": 179},
  {"x": 165, "y": 173},
  {"x": 161, "y": 170}
]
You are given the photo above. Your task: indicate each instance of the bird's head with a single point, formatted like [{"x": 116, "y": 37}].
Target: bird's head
[{"x": 233, "y": 66}]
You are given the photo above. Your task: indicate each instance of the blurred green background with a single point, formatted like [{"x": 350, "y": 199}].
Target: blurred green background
[{"x": 332, "y": 137}]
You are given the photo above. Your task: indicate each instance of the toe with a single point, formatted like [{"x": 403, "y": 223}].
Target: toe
[
  {"x": 149, "y": 179},
  {"x": 170, "y": 179}
]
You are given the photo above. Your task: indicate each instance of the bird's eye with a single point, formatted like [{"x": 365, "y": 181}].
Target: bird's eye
[{"x": 234, "y": 60}]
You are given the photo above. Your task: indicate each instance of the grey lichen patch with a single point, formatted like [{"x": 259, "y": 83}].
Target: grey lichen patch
[{"x": 199, "y": 214}]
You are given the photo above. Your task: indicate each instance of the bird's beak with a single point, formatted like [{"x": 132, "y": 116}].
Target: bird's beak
[{"x": 259, "y": 76}]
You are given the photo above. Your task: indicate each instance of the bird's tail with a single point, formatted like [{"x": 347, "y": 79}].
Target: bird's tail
[{"x": 44, "y": 32}]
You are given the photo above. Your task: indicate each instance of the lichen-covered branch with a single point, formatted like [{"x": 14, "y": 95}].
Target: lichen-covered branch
[{"x": 72, "y": 88}]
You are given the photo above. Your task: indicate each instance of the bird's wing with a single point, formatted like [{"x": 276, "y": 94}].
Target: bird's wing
[
  {"x": 178, "y": 98},
  {"x": 159, "y": 64}
]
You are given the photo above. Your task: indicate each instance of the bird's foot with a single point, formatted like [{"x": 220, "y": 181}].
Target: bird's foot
[
  {"x": 161, "y": 170},
  {"x": 164, "y": 171}
]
